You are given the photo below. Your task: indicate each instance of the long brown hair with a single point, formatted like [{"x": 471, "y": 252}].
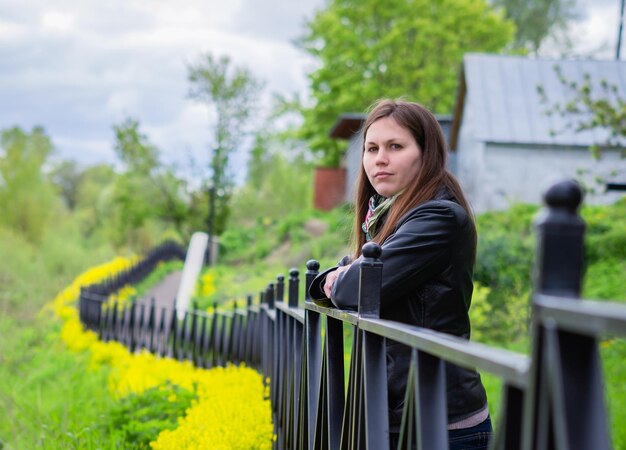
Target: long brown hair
[{"x": 432, "y": 173}]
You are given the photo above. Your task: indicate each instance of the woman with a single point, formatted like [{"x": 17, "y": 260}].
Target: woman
[{"x": 415, "y": 209}]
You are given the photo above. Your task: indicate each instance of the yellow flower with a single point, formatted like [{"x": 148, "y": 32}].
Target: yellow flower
[
  {"x": 231, "y": 411},
  {"x": 233, "y": 416},
  {"x": 206, "y": 285}
]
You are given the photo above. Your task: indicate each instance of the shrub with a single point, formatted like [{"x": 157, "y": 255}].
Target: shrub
[{"x": 140, "y": 417}]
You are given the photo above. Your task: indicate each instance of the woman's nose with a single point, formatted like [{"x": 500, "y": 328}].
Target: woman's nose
[{"x": 382, "y": 157}]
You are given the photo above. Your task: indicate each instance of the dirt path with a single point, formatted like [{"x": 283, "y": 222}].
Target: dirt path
[{"x": 164, "y": 294}]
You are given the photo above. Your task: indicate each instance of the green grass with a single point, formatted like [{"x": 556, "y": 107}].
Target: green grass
[
  {"x": 49, "y": 397},
  {"x": 613, "y": 355}
]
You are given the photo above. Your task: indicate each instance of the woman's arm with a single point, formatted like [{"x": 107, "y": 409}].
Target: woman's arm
[
  {"x": 420, "y": 248},
  {"x": 317, "y": 290}
]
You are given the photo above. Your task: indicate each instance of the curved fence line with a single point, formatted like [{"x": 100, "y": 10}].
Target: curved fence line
[{"x": 552, "y": 399}]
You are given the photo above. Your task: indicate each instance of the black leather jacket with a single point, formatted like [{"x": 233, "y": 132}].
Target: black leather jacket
[{"x": 427, "y": 281}]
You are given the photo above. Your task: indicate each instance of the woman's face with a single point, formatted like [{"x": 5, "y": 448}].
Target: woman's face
[{"x": 391, "y": 157}]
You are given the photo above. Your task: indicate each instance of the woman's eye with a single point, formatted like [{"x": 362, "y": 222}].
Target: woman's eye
[
  {"x": 395, "y": 146},
  {"x": 372, "y": 149}
]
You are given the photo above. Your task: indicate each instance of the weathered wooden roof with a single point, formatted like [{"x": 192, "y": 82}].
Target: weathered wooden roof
[
  {"x": 505, "y": 106},
  {"x": 349, "y": 124}
]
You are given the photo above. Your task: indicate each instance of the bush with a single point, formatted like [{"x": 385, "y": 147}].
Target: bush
[{"x": 139, "y": 418}]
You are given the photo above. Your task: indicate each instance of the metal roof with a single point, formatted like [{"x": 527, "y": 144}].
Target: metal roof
[{"x": 506, "y": 106}]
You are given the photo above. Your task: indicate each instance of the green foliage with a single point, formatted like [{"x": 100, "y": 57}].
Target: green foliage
[
  {"x": 27, "y": 200},
  {"x": 147, "y": 198},
  {"x": 503, "y": 265},
  {"x": 48, "y": 396},
  {"x": 231, "y": 94},
  {"x": 594, "y": 104},
  {"x": 605, "y": 231},
  {"x": 401, "y": 48},
  {"x": 67, "y": 177},
  {"x": 613, "y": 353},
  {"x": 279, "y": 184},
  {"x": 538, "y": 20},
  {"x": 133, "y": 149},
  {"x": 505, "y": 258},
  {"x": 605, "y": 280},
  {"x": 94, "y": 200},
  {"x": 291, "y": 239},
  {"x": 139, "y": 418}
]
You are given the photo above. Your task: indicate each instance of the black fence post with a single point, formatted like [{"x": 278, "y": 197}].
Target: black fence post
[
  {"x": 141, "y": 334},
  {"x": 560, "y": 235},
  {"x": 163, "y": 334},
  {"x": 374, "y": 387},
  {"x": 193, "y": 338},
  {"x": 294, "y": 281},
  {"x": 565, "y": 402},
  {"x": 312, "y": 268},
  {"x": 152, "y": 326},
  {"x": 269, "y": 295},
  {"x": 280, "y": 288},
  {"x": 312, "y": 359},
  {"x": 201, "y": 361},
  {"x": 104, "y": 321},
  {"x": 249, "y": 335},
  {"x": 214, "y": 339}
]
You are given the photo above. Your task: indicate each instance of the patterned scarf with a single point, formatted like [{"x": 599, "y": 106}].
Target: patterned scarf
[{"x": 377, "y": 207}]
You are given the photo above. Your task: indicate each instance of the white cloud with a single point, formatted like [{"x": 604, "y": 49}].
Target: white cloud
[
  {"x": 78, "y": 67},
  {"x": 58, "y": 21},
  {"x": 596, "y": 35}
]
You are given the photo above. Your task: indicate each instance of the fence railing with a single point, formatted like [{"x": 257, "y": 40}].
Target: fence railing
[{"x": 552, "y": 399}]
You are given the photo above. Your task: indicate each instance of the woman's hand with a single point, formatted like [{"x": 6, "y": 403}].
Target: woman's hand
[{"x": 332, "y": 277}]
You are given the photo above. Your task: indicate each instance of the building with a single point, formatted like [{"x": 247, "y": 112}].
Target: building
[
  {"x": 508, "y": 149},
  {"x": 504, "y": 146}
]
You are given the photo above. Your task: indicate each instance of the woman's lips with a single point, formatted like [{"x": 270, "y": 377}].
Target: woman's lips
[{"x": 382, "y": 175}]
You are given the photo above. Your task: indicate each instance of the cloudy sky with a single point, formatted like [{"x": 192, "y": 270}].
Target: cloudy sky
[{"x": 76, "y": 67}]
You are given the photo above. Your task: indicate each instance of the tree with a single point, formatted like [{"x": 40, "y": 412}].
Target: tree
[
  {"x": 94, "y": 194},
  {"x": 147, "y": 191},
  {"x": 591, "y": 105},
  {"x": 369, "y": 49},
  {"x": 536, "y": 20},
  {"x": 230, "y": 93},
  {"x": 67, "y": 177},
  {"x": 27, "y": 198}
]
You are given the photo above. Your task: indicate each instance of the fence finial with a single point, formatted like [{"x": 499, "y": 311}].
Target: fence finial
[
  {"x": 280, "y": 288},
  {"x": 560, "y": 248},
  {"x": 269, "y": 295},
  {"x": 312, "y": 269},
  {"x": 294, "y": 281},
  {"x": 370, "y": 279}
]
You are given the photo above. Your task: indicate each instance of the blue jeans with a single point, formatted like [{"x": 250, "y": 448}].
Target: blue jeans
[{"x": 474, "y": 438}]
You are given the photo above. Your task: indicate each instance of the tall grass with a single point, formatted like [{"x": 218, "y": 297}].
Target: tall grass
[{"x": 48, "y": 398}]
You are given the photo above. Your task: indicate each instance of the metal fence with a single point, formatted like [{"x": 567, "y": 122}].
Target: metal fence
[{"x": 552, "y": 399}]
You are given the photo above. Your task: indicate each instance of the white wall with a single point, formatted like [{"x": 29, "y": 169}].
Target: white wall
[
  {"x": 470, "y": 160},
  {"x": 353, "y": 165},
  {"x": 517, "y": 173}
]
